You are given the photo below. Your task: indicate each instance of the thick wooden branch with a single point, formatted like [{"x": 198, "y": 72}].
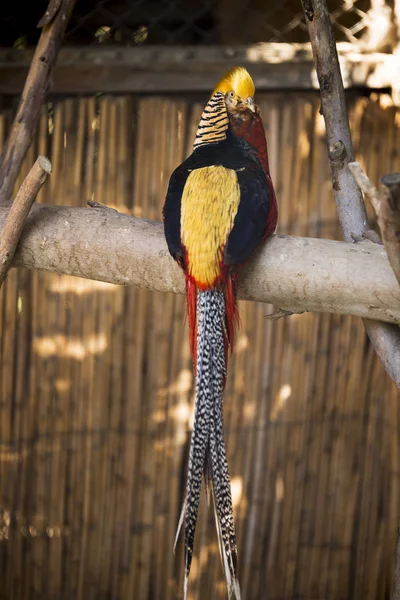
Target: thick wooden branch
[
  {"x": 349, "y": 201},
  {"x": 19, "y": 212},
  {"x": 34, "y": 92},
  {"x": 295, "y": 274}
]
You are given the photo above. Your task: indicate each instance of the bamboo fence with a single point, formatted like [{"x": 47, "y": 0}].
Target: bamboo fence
[{"x": 96, "y": 389}]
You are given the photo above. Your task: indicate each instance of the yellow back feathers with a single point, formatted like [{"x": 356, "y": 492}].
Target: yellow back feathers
[
  {"x": 210, "y": 201},
  {"x": 238, "y": 80}
]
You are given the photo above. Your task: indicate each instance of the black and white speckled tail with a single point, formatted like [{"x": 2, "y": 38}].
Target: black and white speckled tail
[{"x": 207, "y": 449}]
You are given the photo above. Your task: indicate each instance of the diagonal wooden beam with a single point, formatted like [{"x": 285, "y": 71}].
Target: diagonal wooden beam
[
  {"x": 19, "y": 211},
  {"x": 37, "y": 82}
]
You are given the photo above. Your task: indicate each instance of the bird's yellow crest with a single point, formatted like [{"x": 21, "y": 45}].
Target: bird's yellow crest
[{"x": 237, "y": 80}]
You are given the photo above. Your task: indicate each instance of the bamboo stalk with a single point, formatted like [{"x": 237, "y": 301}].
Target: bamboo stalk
[
  {"x": 31, "y": 421},
  {"x": 299, "y": 441},
  {"x": 140, "y": 324},
  {"x": 21, "y": 395},
  {"x": 51, "y": 409},
  {"x": 148, "y": 472},
  {"x": 88, "y": 376},
  {"x": 122, "y": 508},
  {"x": 128, "y": 426},
  {"x": 99, "y": 552},
  {"x": 174, "y": 337},
  {"x": 117, "y": 148},
  {"x": 73, "y": 307},
  {"x": 111, "y": 396},
  {"x": 12, "y": 415}
]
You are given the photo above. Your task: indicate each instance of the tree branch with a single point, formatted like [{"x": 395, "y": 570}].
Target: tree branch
[
  {"x": 366, "y": 185},
  {"x": 351, "y": 209},
  {"x": 386, "y": 204},
  {"x": 389, "y": 219},
  {"x": 19, "y": 212},
  {"x": 295, "y": 274},
  {"x": 55, "y": 21},
  {"x": 280, "y": 313}
]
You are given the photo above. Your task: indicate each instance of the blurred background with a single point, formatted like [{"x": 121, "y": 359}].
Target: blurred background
[{"x": 96, "y": 388}]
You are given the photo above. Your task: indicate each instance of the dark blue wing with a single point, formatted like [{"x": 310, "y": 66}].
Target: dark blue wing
[{"x": 251, "y": 219}]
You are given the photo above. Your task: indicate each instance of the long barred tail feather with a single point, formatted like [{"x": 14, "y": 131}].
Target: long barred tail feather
[
  {"x": 207, "y": 449},
  {"x": 219, "y": 462},
  {"x": 223, "y": 506},
  {"x": 220, "y": 470},
  {"x": 180, "y": 523},
  {"x": 202, "y": 417}
]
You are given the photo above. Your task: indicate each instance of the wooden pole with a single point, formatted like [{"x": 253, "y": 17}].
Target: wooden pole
[
  {"x": 37, "y": 82},
  {"x": 352, "y": 214}
]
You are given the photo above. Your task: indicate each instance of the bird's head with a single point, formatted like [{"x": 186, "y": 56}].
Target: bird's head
[{"x": 238, "y": 87}]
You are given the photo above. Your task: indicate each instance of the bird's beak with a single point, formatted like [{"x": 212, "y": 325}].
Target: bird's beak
[{"x": 251, "y": 105}]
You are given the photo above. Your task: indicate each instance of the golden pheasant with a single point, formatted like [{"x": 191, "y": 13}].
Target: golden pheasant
[{"x": 220, "y": 205}]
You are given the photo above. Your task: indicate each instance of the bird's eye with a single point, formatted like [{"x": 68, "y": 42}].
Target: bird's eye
[{"x": 231, "y": 95}]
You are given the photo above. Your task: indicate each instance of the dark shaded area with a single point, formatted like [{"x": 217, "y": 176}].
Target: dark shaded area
[{"x": 191, "y": 22}]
